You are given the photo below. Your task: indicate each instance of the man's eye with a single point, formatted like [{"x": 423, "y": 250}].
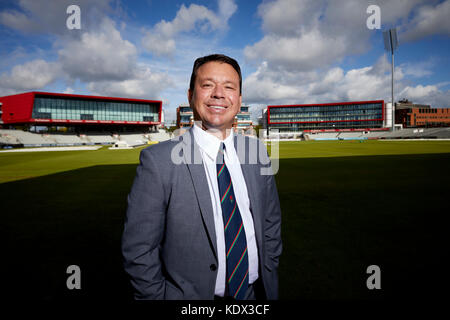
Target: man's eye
[{"x": 206, "y": 85}]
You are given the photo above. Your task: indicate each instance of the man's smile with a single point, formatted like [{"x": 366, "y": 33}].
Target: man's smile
[{"x": 217, "y": 107}]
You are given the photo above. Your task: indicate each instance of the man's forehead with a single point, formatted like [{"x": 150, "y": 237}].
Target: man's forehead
[{"x": 216, "y": 69}]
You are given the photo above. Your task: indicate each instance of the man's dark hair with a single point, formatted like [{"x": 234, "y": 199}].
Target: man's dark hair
[{"x": 219, "y": 58}]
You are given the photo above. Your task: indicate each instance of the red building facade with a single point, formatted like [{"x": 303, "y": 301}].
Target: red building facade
[
  {"x": 58, "y": 109},
  {"x": 358, "y": 115}
]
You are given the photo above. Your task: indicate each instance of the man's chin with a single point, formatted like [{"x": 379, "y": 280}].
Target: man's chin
[
  {"x": 215, "y": 128},
  {"x": 206, "y": 125}
]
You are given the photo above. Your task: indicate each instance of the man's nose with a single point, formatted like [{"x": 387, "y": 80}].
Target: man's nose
[{"x": 218, "y": 92}]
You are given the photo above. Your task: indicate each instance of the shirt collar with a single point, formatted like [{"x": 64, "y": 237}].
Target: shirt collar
[{"x": 209, "y": 143}]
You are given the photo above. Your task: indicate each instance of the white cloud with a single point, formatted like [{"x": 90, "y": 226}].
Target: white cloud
[
  {"x": 69, "y": 90},
  {"x": 418, "y": 69},
  {"x": 160, "y": 39},
  {"x": 418, "y": 91},
  {"x": 333, "y": 76},
  {"x": 31, "y": 75},
  {"x": 15, "y": 20},
  {"x": 266, "y": 86},
  {"x": 428, "y": 20},
  {"x": 50, "y": 16},
  {"x": 310, "y": 50},
  {"x": 109, "y": 65},
  {"x": 102, "y": 59},
  {"x": 429, "y": 94},
  {"x": 226, "y": 10},
  {"x": 289, "y": 17},
  {"x": 143, "y": 84},
  {"x": 304, "y": 35},
  {"x": 309, "y": 34},
  {"x": 304, "y": 39},
  {"x": 285, "y": 87},
  {"x": 99, "y": 55},
  {"x": 158, "y": 44}
]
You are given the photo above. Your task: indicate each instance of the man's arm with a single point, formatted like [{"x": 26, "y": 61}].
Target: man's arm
[
  {"x": 272, "y": 230},
  {"x": 272, "y": 225},
  {"x": 143, "y": 231}
]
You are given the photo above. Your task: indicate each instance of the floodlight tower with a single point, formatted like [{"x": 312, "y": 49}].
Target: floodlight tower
[{"x": 391, "y": 44}]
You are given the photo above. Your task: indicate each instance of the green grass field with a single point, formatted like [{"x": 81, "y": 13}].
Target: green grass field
[{"x": 345, "y": 205}]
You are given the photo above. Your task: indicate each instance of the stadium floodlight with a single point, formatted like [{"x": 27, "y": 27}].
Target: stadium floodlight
[{"x": 391, "y": 44}]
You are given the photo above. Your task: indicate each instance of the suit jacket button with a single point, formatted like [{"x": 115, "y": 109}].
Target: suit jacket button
[{"x": 213, "y": 267}]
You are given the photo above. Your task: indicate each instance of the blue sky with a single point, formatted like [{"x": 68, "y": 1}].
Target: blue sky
[{"x": 290, "y": 51}]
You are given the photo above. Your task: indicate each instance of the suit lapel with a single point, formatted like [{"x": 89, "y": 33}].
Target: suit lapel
[{"x": 193, "y": 160}]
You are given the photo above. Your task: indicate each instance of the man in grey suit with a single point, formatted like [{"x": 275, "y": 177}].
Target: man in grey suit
[{"x": 204, "y": 218}]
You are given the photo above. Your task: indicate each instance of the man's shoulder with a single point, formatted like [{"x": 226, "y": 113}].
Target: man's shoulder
[
  {"x": 165, "y": 148},
  {"x": 160, "y": 149}
]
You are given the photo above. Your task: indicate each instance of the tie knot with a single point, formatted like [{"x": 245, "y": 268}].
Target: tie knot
[{"x": 220, "y": 154}]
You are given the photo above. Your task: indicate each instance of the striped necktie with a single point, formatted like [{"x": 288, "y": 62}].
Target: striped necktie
[{"x": 235, "y": 240}]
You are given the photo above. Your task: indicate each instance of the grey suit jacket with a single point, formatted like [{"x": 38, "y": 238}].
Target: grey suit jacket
[{"x": 169, "y": 241}]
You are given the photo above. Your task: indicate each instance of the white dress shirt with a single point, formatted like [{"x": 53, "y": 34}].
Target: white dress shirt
[{"x": 209, "y": 147}]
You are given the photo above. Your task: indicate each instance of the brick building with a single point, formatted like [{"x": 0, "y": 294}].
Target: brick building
[{"x": 412, "y": 115}]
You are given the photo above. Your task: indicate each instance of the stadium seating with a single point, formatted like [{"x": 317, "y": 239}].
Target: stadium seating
[
  {"x": 63, "y": 139},
  {"x": 409, "y": 133},
  {"x": 400, "y": 134},
  {"x": 412, "y": 133},
  {"x": 100, "y": 138},
  {"x": 323, "y": 136},
  {"x": 161, "y": 135},
  {"x": 133, "y": 140},
  {"x": 351, "y": 135},
  {"x": 27, "y": 138},
  {"x": 373, "y": 134},
  {"x": 435, "y": 133},
  {"x": 6, "y": 138}
]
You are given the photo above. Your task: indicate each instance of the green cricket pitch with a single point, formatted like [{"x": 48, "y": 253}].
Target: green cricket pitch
[{"x": 345, "y": 205}]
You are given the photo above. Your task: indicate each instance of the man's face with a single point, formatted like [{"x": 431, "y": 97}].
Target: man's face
[{"x": 216, "y": 98}]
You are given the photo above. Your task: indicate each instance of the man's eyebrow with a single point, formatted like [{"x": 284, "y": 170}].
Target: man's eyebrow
[{"x": 213, "y": 80}]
